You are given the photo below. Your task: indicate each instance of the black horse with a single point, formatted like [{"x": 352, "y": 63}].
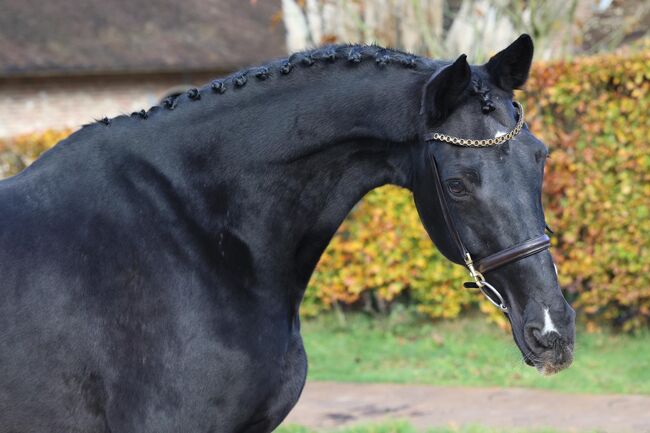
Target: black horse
[{"x": 152, "y": 265}]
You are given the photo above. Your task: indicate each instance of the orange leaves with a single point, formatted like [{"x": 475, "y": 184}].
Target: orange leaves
[
  {"x": 21, "y": 151},
  {"x": 383, "y": 252},
  {"x": 597, "y": 182}
]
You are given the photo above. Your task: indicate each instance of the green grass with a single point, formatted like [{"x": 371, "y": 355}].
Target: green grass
[
  {"x": 465, "y": 352},
  {"x": 404, "y": 427}
]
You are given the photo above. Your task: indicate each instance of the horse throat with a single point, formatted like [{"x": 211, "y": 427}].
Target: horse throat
[{"x": 355, "y": 169}]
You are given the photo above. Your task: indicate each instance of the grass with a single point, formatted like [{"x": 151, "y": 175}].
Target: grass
[
  {"x": 404, "y": 427},
  {"x": 465, "y": 352}
]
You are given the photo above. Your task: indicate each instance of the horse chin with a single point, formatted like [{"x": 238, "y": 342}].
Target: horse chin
[
  {"x": 550, "y": 369},
  {"x": 547, "y": 364}
]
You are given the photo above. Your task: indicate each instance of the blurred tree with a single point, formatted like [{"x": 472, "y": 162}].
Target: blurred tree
[{"x": 444, "y": 28}]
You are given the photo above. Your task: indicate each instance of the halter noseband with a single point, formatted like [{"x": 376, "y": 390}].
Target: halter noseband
[{"x": 501, "y": 258}]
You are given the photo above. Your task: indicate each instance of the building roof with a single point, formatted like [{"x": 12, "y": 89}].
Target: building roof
[{"x": 78, "y": 37}]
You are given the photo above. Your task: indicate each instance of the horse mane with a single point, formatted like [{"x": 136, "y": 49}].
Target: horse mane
[{"x": 351, "y": 54}]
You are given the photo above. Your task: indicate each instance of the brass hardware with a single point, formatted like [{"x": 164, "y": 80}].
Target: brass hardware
[{"x": 468, "y": 142}]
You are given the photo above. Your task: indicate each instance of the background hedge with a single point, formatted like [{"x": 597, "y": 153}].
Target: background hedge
[{"x": 593, "y": 114}]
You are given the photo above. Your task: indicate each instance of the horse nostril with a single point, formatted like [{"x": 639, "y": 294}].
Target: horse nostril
[
  {"x": 548, "y": 346},
  {"x": 537, "y": 341},
  {"x": 549, "y": 350},
  {"x": 563, "y": 353}
]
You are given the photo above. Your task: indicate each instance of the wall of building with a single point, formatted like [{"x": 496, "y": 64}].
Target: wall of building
[{"x": 40, "y": 103}]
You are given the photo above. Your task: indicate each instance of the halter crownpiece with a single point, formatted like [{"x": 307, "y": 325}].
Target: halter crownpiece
[{"x": 469, "y": 142}]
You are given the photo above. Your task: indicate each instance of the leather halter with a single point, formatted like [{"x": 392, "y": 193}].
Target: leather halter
[{"x": 491, "y": 262}]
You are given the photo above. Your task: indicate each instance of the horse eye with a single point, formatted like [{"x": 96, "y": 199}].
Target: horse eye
[{"x": 456, "y": 187}]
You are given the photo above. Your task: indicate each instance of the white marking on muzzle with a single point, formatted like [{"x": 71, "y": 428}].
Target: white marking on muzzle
[
  {"x": 499, "y": 134},
  {"x": 548, "y": 324}
]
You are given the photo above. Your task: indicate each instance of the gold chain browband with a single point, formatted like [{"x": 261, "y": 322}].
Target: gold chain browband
[{"x": 468, "y": 142}]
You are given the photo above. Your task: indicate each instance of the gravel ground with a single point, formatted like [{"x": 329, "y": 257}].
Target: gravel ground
[{"x": 327, "y": 405}]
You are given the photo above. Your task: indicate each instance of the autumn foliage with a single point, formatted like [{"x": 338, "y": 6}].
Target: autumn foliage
[{"x": 593, "y": 113}]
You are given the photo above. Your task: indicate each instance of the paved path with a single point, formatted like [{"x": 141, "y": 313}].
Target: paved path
[{"x": 326, "y": 405}]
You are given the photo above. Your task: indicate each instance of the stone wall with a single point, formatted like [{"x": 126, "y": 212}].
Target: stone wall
[{"x": 40, "y": 103}]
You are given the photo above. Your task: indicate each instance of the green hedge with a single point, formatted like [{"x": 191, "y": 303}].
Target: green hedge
[{"x": 593, "y": 114}]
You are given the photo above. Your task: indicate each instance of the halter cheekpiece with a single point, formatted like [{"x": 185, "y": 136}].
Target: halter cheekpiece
[{"x": 501, "y": 258}]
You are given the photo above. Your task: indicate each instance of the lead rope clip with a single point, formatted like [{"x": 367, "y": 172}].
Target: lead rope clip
[{"x": 483, "y": 286}]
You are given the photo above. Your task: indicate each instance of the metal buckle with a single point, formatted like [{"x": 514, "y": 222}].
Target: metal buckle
[{"x": 483, "y": 285}]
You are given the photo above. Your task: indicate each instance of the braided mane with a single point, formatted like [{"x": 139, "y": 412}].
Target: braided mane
[{"x": 351, "y": 54}]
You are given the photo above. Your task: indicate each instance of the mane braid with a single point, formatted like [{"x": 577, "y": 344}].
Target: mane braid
[
  {"x": 194, "y": 94},
  {"x": 352, "y": 54}
]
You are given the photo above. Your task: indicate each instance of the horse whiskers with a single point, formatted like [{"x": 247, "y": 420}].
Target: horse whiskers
[{"x": 530, "y": 356}]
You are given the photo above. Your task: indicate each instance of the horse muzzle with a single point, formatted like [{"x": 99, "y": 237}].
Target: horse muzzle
[{"x": 549, "y": 342}]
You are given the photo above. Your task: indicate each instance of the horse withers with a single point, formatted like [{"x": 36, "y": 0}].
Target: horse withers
[{"x": 152, "y": 265}]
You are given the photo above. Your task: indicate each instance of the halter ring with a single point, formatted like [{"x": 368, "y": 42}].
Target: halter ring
[
  {"x": 501, "y": 305},
  {"x": 483, "y": 285}
]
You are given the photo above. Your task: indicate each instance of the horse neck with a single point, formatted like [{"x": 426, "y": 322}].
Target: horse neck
[
  {"x": 324, "y": 148},
  {"x": 336, "y": 142},
  {"x": 306, "y": 149},
  {"x": 270, "y": 170}
]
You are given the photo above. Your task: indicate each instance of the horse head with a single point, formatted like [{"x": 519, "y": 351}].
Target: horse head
[{"x": 477, "y": 185}]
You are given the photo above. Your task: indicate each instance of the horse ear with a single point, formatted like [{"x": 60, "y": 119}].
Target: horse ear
[
  {"x": 509, "y": 68},
  {"x": 444, "y": 88}
]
